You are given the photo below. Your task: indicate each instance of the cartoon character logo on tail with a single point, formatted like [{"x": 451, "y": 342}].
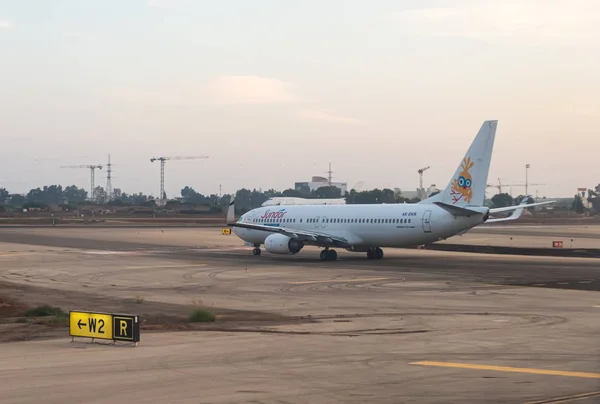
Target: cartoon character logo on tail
[{"x": 461, "y": 186}]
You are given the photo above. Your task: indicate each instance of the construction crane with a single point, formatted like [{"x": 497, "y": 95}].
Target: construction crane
[
  {"x": 162, "y": 171},
  {"x": 421, "y": 190},
  {"x": 92, "y": 169},
  {"x": 500, "y": 185}
]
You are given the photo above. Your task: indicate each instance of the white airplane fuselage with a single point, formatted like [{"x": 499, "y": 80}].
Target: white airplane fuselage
[{"x": 363, "y": 226}]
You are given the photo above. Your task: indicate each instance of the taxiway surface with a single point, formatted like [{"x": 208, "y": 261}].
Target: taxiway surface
[{"x": 417, "y": 327}]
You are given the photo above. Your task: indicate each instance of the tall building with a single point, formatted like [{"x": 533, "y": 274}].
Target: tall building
[
  {"x": 318, "y": 182},
  {"x": 419, "y": 194}
]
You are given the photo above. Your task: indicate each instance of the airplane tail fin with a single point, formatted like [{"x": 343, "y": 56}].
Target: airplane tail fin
[
  {"x": 231, "y": 210},
  {"x": 467, "y": 186}
]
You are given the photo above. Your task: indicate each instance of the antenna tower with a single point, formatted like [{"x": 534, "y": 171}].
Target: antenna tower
[
  {"x": 162, "y": 160},
  {"x": 329, "y": 177},
  {"x": 109, "y": 192},
  {"x": 422, "y": 193},
  {"x": 92, "y": 175}
]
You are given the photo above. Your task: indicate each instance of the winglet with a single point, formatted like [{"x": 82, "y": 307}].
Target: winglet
[{"x": 231, "y": 210}]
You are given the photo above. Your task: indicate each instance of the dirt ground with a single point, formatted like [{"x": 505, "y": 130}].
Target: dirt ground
[{"x": 17, "y": 299}]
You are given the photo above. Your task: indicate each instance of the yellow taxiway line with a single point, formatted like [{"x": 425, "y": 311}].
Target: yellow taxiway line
[
  {"x": 510, "y": 369},
  {"x": 19, "y": 254},
  {"x": 339, "y": 280}
]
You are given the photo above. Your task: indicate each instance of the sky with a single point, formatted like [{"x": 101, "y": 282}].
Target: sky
[{"x": 272, "y": 91}]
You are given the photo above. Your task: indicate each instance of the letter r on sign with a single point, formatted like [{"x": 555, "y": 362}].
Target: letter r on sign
[{"x": 123, "y": 327}]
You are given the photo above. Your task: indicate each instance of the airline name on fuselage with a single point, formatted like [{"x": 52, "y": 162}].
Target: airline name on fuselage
[
  {"x": 273, "y": 215},
  {"x": 409, "y": 214}
]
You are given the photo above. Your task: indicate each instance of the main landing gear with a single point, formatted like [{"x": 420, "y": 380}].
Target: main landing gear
[
  {"x": 328, "y": 255},
  {"x": 374, "y": 253}
]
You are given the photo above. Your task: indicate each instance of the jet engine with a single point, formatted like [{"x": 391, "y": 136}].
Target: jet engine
[{"x": 281, "y": 244}]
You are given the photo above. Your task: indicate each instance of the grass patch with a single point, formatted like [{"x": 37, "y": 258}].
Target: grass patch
[
  {"x": 202, "y": 316},
  {"x": 46, "y": 315},
  {"x": 200, "y": 313},
  {"x": 46, "y": 311}
]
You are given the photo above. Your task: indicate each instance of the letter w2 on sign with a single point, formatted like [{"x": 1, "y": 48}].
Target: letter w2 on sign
[{"x": 90, "y": 325}]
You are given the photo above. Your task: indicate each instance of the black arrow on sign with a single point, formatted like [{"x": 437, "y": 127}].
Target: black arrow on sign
[{"x": 79, "y": 324}]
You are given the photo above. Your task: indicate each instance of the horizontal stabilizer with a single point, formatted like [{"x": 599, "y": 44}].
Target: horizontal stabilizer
[
  {"x": 517, "y": 210},
  {"x": 509, "y": 208},
  {"x": 457, "y": 210}
]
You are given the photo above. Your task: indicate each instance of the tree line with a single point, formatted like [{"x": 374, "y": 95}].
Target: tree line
[{"x": 246, "y": 199}]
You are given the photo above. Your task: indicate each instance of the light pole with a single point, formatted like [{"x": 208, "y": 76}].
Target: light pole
[{"x": 526, "y": 179}]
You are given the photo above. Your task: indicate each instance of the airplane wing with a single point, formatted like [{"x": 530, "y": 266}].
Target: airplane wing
[{"x": 307, "y": 236}]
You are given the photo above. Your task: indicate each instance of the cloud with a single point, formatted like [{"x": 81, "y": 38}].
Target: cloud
[
  {"x": 587, "y": 110},
  {"x": 167, "y": 3},
  {"x": 523, "y": 21},
  {"x": 228, "y": 91},
  {"x": 324, "y": 116},
  {"x": 250, "y": 90},
  {"x": 5, "y": 24}
]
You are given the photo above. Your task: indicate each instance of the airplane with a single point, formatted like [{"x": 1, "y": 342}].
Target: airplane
[{"x": 369, "y": 227}]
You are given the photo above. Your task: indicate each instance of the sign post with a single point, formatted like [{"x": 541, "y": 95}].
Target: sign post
[{"x": 114, "y": 327}]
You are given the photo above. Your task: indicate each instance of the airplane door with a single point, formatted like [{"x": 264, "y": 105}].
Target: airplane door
[{"x": 427, "y": 221}]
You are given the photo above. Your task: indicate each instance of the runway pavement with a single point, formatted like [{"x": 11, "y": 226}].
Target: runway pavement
[{"x": 416, "y": 327}]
